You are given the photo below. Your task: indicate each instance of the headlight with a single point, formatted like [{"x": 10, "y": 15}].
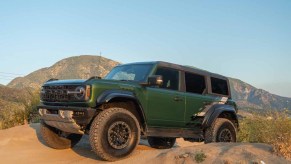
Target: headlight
[{"x": 81, "y": 93}]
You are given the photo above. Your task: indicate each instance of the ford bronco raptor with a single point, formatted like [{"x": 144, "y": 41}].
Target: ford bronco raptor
[{"x": 157, "y": 100}]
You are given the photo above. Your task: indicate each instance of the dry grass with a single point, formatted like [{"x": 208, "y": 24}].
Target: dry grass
[
  {"x": 272, "y": 128},
  {"x": 14, "y": 114},
  {"x": 11, "y": 118}
]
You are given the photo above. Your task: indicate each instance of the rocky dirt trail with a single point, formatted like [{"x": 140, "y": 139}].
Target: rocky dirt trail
[{"x": 23, "y": 144}]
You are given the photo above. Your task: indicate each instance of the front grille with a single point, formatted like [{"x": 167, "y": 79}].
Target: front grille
[{"x": 58, "y": 93}]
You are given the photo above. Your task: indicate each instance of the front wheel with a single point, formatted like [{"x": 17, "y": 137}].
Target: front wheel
[
  {"x": 222, "y": 130},
  {"x": 114, "y": 134},
  {"x": 161, "y": 142}
]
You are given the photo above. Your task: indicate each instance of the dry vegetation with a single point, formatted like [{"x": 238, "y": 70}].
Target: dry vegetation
[
  {"x": 22, "y": 112},
  {"x": 273, "y": 128}
]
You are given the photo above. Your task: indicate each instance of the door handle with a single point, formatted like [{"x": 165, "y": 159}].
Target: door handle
[{"x": 177, "y": 98}]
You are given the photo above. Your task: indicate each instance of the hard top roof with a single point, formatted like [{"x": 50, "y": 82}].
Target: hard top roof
[{"x": 182, "y": 68}]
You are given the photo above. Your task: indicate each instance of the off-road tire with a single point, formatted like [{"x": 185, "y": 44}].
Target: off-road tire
[
  {"x": 161, "y": 142},
  {"x": 222, "y": 130},
  {"x": 53, "y": 139},
  {"x": 101, "y": 134}
]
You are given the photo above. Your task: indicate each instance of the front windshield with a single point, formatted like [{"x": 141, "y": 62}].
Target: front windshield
[{"x": 134, "y": 72}]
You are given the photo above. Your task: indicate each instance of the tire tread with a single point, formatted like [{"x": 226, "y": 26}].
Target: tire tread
[{"x": 210, "y": 133}]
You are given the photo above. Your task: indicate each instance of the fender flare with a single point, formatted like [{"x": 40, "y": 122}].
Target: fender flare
[
  {"x": 109, "y": 95},
  {"x": 214, "y": 112}
]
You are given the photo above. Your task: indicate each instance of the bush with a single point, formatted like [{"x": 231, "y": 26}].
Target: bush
[
  {"x": 31, "y": 112},
  {"x": 273, "y": 128},
  {"x": 19, "y": 113},
  {"x": 11, "y": 118},
  {"x": 200, "y": 157}
]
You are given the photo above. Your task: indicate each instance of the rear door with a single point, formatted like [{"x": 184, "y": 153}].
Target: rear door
[{"x": 196, "y": 99}]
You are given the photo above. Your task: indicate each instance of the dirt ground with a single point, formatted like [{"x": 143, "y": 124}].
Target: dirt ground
[{"x": 23, "y": 144}]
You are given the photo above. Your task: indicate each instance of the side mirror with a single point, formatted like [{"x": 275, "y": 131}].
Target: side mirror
[{"x": 155, "y": 80}]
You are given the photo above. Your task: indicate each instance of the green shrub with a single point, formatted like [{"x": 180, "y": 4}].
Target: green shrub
[
  {"x": 200, "y": 157},
  {"x": 272, "y": 128}
]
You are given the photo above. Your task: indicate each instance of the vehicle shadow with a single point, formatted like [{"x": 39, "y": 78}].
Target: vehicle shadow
[
  {"x": 36, "y": 127},
  {"x": 83, "y": 148}
]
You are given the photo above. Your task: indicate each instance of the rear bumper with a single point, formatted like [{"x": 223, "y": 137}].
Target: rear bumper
[{"x": 67, "y": 119}]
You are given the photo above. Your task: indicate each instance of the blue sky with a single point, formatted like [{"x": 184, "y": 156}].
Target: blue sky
[{"x": 249, "y": 40}]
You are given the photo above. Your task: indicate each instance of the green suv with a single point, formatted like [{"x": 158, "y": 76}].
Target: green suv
[{"x": 157, "y": 100}]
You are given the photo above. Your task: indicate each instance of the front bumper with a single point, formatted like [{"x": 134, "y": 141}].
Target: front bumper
[{"x": 67, "y": 119}]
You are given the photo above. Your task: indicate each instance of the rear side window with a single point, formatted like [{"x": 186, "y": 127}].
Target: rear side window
[
  {"x": 219, "y": 86},
  {"x": 170, "y": 78},
  {"x": 195, "y": 83}
]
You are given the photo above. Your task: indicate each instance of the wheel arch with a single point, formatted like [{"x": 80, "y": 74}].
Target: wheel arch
[
  {"x": 220, "y": 111},
  {"x": 125, "y": 99}
]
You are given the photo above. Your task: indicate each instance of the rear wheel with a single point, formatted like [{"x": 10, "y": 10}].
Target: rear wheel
[
  {"x": 114, "y": 134},
  {"x": 58, "y": 139},
  {"x": 161, "y": 142},
  {"x": 222, "y": 130}
]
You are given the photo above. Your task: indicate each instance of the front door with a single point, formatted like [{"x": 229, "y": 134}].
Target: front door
[{"x": 166, "y": 104}]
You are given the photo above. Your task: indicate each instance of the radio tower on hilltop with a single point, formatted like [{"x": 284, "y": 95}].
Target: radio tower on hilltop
[{"x": 98, "y": 64}]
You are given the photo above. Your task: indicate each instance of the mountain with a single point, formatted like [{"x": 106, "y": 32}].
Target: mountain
[
  {"x": 249, "y": 97},
  {"x": 85, "y": 66},
  {"x": 78, "y": 67},
  {"x": 21, "y": 94}
]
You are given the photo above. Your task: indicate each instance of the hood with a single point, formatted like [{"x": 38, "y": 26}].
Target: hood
[{"x": 65, "y": 82}]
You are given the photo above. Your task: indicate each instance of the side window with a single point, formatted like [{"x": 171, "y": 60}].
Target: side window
[
  {"x": 195, "y": 83},
  {"x": 219, "y": 86},
  {"x": 170, "y": 78}
]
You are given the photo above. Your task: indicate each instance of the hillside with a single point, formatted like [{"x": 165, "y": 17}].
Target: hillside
[
  {"x": 12, "y": 94},
  {"x": 247, "y": 96},
  {"x": 12, "y": 98},
  {"x": 79, "y": 67}
]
